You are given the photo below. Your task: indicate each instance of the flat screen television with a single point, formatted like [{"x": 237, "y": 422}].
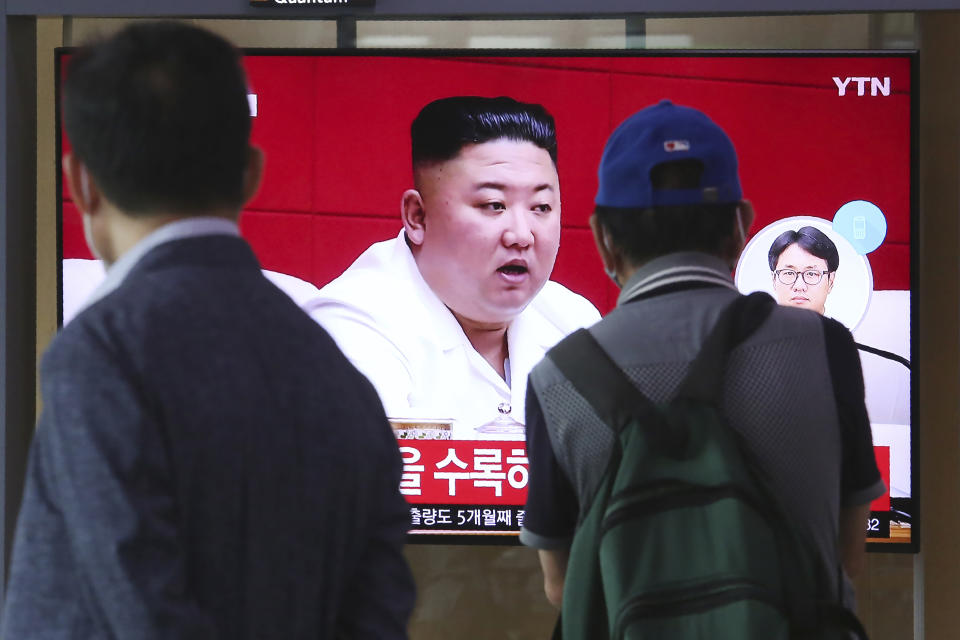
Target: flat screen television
[{"x": 824, "y": 140}]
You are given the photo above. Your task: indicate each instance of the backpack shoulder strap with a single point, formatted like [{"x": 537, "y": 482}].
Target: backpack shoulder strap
[
  {"x": 613, "y": 396},
  {"x": 598, "y": 379},
  {"x": 736, "y": 323}
]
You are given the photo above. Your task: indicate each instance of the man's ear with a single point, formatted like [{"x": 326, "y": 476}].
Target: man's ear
[
  {"x": 607, "y": 256},
  {"x": 413, "y": 214},
  {"x": 743, "y": 220},
  {"x": 83, "y": 188},
  {"x": 747, "y": 216},
  {"x": 253, "y": 174}
]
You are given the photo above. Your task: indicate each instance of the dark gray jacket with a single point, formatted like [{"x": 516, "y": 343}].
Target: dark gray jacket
[{"x": 207, "y": 465}]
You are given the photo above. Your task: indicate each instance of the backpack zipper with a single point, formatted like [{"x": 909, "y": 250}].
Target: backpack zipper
[{"x": 678, "y": 602}]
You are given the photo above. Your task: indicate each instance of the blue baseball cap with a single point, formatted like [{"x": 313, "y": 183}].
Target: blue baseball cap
[{"x": 666, "y": 132}]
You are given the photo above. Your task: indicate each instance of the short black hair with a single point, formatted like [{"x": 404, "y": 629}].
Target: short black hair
[
  {"x": 811, "y": 240},
  {"x": 158, "y": 114},
  {"x": 649, "y": 232},
  {"x": 443, "y": 127}
]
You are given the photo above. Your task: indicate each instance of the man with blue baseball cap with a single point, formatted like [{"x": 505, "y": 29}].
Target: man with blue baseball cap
[{"x": 670, "y": 222}]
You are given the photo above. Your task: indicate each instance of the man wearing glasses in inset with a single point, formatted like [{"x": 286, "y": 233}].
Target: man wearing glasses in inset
[{"x": 804, "y": 265}]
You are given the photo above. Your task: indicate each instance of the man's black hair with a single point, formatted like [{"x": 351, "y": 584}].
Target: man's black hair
[
  {"x": 445, "y": 126},
  {"x": 811, "y": 240},
  {"x": 158, "y": 113},
  {"x": 646, "y": 233}
]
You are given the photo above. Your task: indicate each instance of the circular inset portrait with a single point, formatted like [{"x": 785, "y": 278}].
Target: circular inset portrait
[{"x": 802, "y": 262}]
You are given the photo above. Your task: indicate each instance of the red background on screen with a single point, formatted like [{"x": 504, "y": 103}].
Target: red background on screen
[
  {"x": 335, "y": 130},
  {"x": 882, "y": 454}
]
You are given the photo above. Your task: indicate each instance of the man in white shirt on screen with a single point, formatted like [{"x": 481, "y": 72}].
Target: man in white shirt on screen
[{"x": 448, "y": 318}]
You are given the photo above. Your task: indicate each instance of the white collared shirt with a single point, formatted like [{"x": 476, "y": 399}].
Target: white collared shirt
[{"x": 398, "y": 333}]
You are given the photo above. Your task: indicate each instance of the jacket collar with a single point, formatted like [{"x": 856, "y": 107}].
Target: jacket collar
[
  {"x": 177, "y": 230},
  {"x": 675, "y": 269}
]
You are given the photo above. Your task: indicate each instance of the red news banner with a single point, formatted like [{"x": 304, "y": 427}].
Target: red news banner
[
  {"x": 480, "y": 486},
  {"x": 464, "y": 486}
]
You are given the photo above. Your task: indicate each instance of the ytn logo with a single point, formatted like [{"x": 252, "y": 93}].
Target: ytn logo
[{"x": 878, "y": 86}]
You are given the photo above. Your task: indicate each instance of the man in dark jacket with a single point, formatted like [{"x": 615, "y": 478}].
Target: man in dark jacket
[{"x": 207, "y": 463}]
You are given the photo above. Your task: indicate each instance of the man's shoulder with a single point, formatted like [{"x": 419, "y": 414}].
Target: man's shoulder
[
  {"x": 374, "y": 279},
  {"x": 559, "y": 312},
  {"x": 660, "y": 314},
  {"x": 145, "y": 296},
  {"x": 561, "y": 307},
  {"x": 153, "y": 305},
  {"x": 94, "y": 348},
  {"x": 653, "y": 330},
  {"x": 802, "y": 324},
  {"x": 72, "y": 345}
]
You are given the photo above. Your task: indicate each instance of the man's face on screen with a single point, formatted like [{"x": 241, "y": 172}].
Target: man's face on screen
[
  {"x": 796, "y": 260},
  {"x": 491, "y": 228}
]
